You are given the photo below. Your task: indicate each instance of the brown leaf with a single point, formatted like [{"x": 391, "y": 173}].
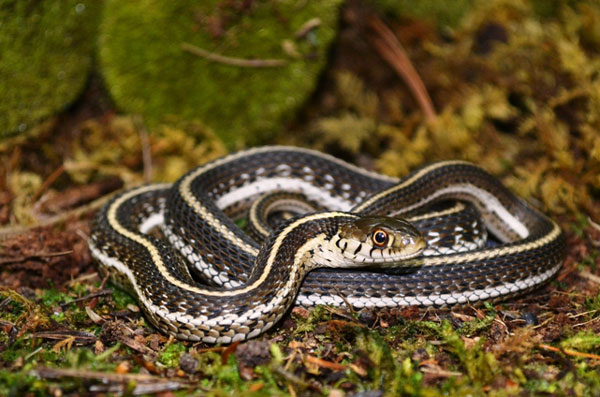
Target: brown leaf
[{"x": 123, "y": 367}]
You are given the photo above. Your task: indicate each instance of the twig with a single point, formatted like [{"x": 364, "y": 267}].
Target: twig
[
  {"x": 85, "y": 374},
  {"x": 39, "y": 255},
  {"x": 79, "y": 337},
  {"x": 392, "y": 51},
  {"x": 595, "y": 225},
  {"x": 572, "y": 316},
  {"x": 339, "y": 313},
  {"x": 343, "y": 298},
  {"x": 135, "y": 345},
  {"x": 83, "y": 277},
  {"x": 293, "y": 378},
  {"x": 442, "y": 373},
  {"x": 307, "y": 27},
  {"x": 48, "y": 182},
  {"x": 140, "y": 389},
  {"x": 244, "y": 63},
  {"x": 325, "y": 364},
  {"x": 95, "y": 300},
  {"x": 592, "y": 277},
  {"x": 569, "y": 352},
  {"x": 89, "y": 296},
  {"x": 118, "y": 382},
  {"x": 586, "y": 322}
]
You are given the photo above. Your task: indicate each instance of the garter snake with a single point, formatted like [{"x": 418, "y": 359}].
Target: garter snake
[
  {"x": 252, "y": 286},
  {"x": 453, "y": 227}
]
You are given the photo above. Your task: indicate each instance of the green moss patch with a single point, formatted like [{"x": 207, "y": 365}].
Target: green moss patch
[
  {"x": 45, "y": 55},
  {"x": 147, "y": 71},
  {"x": 441, "y": 13}
]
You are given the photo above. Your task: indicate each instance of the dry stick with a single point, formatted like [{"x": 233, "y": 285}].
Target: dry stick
[
  {"x": 569, "y": 352},
  {"x": 595, "y": 225},
  {"x": 440, "y": 372},
  {"x": 48, "y": 182},
  {"x": 307, "y": 27},
  {"x": 102, "y": 292},
  {"x": 39, "y": 255},
  {"x": 144, "y": 383},
  {"x": 244, "y": 63},
  {"x": 324, "y": 363},
  {"x": 590, "y": 276},
  {"x": 392, "y": 51}
]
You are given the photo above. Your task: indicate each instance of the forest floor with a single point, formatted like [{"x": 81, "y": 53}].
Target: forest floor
[{"x": 65, "y": 331}]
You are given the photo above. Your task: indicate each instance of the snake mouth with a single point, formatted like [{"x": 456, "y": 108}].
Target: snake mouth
[
  {"x": 395, "y": 256},
  {"x": 414, "y": 248}
]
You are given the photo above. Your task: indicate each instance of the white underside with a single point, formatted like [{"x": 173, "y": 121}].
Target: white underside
[{"x": 467, "y": 296}]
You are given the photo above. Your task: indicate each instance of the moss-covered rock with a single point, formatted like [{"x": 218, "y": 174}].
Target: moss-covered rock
[
  {"x": 147, "y": 71},
  {"x": 46, "y": 51}
]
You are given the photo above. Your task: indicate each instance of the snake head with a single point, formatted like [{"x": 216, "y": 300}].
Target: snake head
[{"x": 369, "y": 240}]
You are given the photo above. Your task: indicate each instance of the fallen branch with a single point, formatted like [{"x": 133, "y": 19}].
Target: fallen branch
[{"x": 244, "y": 63}]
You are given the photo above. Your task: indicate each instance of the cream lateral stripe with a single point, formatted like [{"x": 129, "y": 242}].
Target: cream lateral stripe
[
  {"x": 157, "y": 259},
  {"x": 286, "y": 203},
  {"x": 185, "y": 191},
  {"x": 485, "y": 199},
  {"x": 496, "y": 252},
  {"x": 257, "y": 224},
  {"x": 407, "y": 182},
  {"x": 452, "y": 210}
]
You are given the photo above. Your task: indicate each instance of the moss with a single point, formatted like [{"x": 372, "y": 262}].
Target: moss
[
  {"x": 122, "y": 298},
  {"x": 170, "y": 355},
  {"x": 494, "y": 108},
  {"x": 46, "y": 49},
  {"x": 442, "y": 13},
  {"x": 147, "y": 71},
  {"x": 582, "y": 341}
]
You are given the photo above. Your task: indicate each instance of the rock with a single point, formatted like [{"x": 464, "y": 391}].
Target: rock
[
  {"x": 47, "y": 49},
  {"x": 149, "y": 70}
]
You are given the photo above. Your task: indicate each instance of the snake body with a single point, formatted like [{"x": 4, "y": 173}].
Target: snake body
[{"x": 530, "y": 251}]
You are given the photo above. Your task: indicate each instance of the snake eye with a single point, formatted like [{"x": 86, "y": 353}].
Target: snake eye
[{"x": 380, "y": 238}]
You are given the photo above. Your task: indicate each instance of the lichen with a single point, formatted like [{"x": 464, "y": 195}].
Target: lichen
[{"x": 148, "y": 72}]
